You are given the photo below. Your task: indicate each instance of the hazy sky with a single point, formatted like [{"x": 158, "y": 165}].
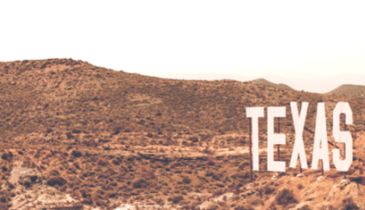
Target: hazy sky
[{"x": 310, "y": 45}]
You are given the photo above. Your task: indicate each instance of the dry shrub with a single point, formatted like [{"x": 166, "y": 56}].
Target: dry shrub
[
  {"x": 176, "y": 199},
  {"x": 285, "y": 197},
  {"x": 56, "y": 181},
  {"x": 349, "y": 204},
  {"x": 141, "y": 183}
]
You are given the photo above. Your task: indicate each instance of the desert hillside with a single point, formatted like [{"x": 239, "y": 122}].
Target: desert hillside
[
  {"x": 78, "y": 136},
  {"x": 349, "y": 91}
]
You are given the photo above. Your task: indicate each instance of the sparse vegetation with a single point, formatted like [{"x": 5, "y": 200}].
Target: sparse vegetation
[{"x": 105, "y": 138}]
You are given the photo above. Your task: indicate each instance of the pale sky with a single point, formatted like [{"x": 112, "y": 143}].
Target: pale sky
[{"x": 311, "y": 45}]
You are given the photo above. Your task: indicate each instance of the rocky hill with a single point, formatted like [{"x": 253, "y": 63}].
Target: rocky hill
[
  {"x": 353, "y": 91},
  {"x": 77, "y": 136}
]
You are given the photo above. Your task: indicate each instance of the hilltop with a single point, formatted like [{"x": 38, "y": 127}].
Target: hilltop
[{"x": 349, "y": 91}]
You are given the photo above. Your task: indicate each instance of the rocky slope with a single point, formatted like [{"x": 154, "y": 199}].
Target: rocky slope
[{"x": 77, "y": 136}]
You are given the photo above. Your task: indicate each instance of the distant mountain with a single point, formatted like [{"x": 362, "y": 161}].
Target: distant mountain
[
  {"x": 349, "y": 91},
  {"x": 262, "y": 81}
]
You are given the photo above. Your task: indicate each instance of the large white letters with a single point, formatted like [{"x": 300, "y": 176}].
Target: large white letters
[
  {"x": 299, "y": 121},
  {"x": 274, "y": 138},
  {"x": 342, "y": 136},
  {"x": 320, "y": 147},
  {"x": 320, "y": 143},
  {"x": 255, "y": 113}
]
